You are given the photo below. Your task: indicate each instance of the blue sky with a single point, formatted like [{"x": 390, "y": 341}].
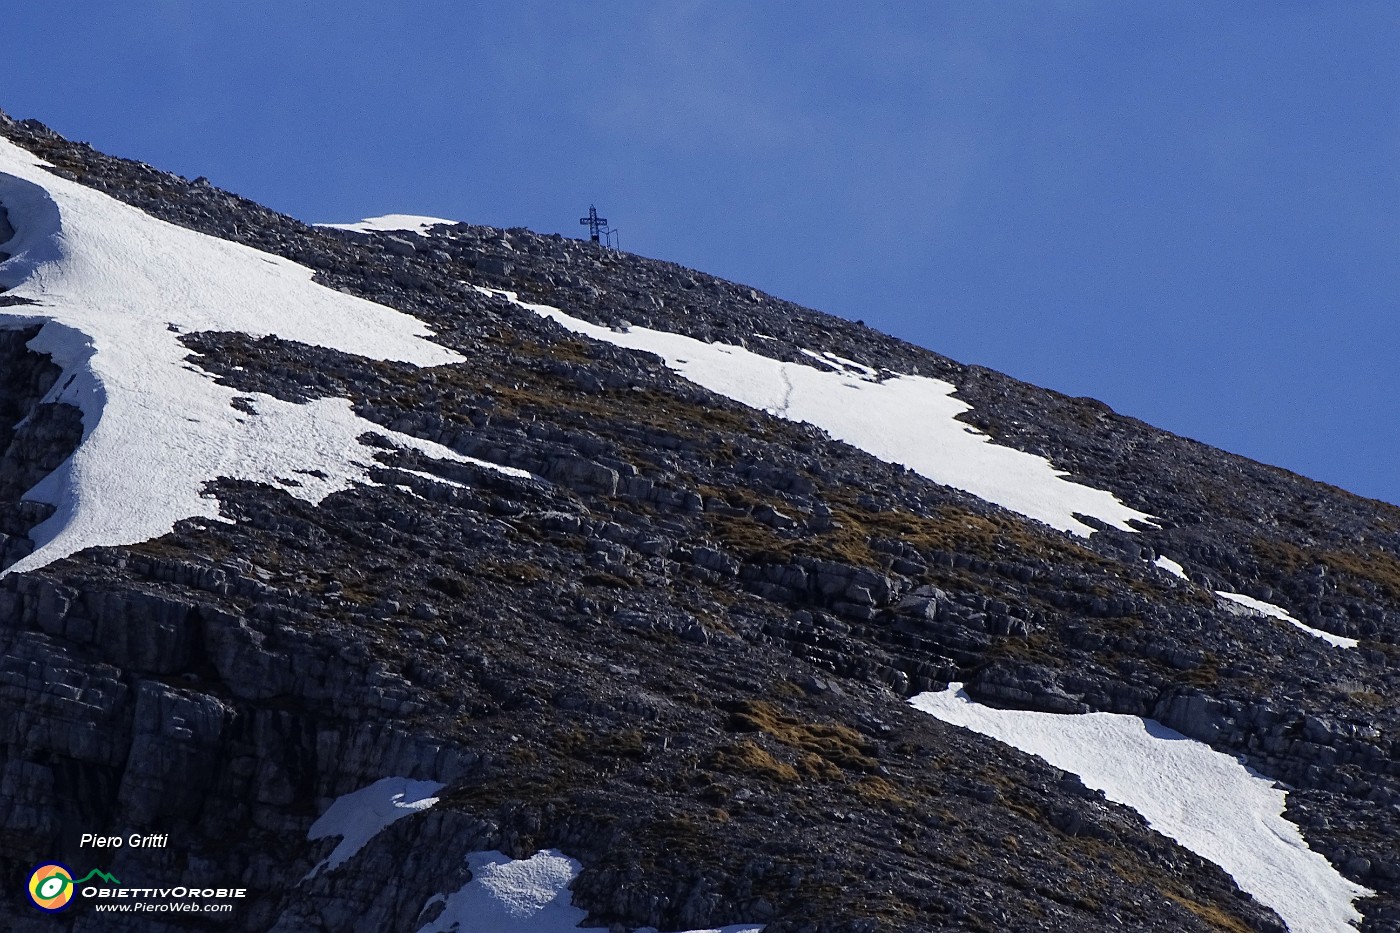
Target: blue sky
[{"x": 1190, "y": 211}]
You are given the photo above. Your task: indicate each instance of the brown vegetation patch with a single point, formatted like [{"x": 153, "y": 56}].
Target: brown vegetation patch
[
  {"x": 1216, "y": 918},
  {"x": 878, "y": 790},
  {"x": 748, "y": 758},
  {"x": 552, "y": 395},
  {"x": 950, "y": 529},
  {"x": 840, "y": 745},
  {"x": 1375, "y": 567}
]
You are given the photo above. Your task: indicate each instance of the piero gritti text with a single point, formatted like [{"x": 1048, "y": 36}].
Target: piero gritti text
[{"x": 133, "y": 841}]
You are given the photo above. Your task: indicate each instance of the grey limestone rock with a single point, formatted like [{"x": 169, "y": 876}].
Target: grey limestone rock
[{"x": 679, "y": 651}]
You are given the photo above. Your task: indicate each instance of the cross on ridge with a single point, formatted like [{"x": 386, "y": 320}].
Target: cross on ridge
[{"x": 594, "y": 222}]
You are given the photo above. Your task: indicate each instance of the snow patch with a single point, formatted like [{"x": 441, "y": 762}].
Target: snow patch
[
  {"x": 357, "y": 817},
  {"x": 826, "y": 357},
  {"x": 901, "y": 419},
  {"x": 1259, "y": 607},
  {"x": 441, "y": 480},
  {"x": 530, "y": 895},
  {"x": 115, "y": 288},
  {"x": 1171, "y": 566},
  {"x": 393, "y": 223},
  {"x": 1206, "y": 801}
]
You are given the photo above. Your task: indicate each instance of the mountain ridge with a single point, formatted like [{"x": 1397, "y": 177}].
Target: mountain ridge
[{"x": 801, "y": 587}]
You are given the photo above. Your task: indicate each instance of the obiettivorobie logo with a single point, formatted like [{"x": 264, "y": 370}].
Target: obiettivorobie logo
[{"x": 51, "y": 885}]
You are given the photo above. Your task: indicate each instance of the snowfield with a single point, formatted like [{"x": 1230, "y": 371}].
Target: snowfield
[
  {"x": 1171, "y": 567},
  {"x": 1240, "y": 604},
  {"x": 357, "y": 817},
  {"x": 392, "y": 223},
  {"x": 530, "y": 895},
  {"x": 1208, "y": 802},
  {"x": 504, "y": 895},
  {"x": 115, "y": 288},
  {"x": 908, "y": 420},
  {"x": 1261, "y": 608}
]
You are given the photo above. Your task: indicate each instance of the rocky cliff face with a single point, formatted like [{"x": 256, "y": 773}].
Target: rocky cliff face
[{"x": 680, "y": 649}]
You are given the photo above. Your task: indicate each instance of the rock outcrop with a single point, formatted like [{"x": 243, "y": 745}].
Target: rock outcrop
[{"x": 679, "y": 650}]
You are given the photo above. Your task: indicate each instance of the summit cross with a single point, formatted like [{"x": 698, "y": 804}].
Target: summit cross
[{"x": 594, "y": 222}]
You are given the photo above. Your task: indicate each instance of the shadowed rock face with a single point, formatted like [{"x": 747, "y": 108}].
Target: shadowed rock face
[
  {"x": 679, "y": 652},
  {"x": 35, "y": 437},
  {"x": 7, "y": 232}
]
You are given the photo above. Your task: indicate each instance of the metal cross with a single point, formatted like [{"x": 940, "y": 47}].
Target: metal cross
[{"x": 594, "y": 222}]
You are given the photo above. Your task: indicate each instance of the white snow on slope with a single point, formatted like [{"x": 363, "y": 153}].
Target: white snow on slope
[
  {"x": 904, "y": 419},
  {"x": 1206, "y": 801},
  {"x": 1171, "y": 566},
  {"x": 116, "y": 286},
  {"x": 1239, "y": 603},
  {"x": 530, "y": 895},
  {"x": 392, "y": 223},
  {"x": 840, "y": 362},
  {"x": 1259, "y": 607},
  {"x": 504, "y": 895},
  {"x": 359, "y": 815}
]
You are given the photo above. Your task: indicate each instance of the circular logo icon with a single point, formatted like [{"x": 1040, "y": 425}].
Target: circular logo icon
[{"x": 51, "y": 886}]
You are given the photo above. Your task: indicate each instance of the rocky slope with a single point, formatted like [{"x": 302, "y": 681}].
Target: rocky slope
[{"x": 680, "y": 650}]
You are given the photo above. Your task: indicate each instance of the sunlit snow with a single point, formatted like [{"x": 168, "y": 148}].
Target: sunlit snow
[
  {"x": 116, "y": 288},
  {"x": 839, "y": 362},
  {"x": 392, "y": 223},
  {"x": 1206, "y": 801},
  {"x": 902, "y": 419},
  {"x": 530, "y": 895},
  {"x": 1171, "y": 566},
  {"x": 1259, "y": 607},
  {"x": 358, "y": 816}
]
